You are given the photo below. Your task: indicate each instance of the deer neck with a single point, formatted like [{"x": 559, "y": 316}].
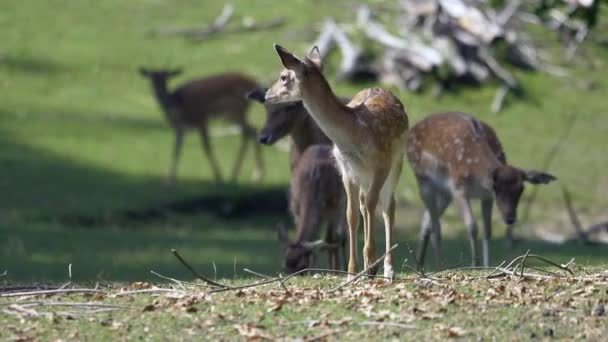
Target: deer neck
[
  {"x": 302, "y": 135},
  {"x": 164, "y": 98},
  {"x": 334, "y": 118}
]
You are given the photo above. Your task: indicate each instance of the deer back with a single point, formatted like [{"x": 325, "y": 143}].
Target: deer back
[
  {"x": 456, "y": 146},
  {"x": 218, "y": 95}
]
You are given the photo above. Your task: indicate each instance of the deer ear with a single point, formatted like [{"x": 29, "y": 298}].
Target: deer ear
[
  {"x": 144, "y": 72},
  {"x": 282, "y": 235},
  {"x": 289, "y": 60},
  {"x": 315, "y": 57},
  {"x": 176, "y": 72},
  {"x": 258, "y": 94},
  {"x": 538, "y": 177}
]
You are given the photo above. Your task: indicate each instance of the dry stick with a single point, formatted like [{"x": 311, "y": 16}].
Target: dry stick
[
  {"x": 360, "y": 274},
  {"x": 159, "y": 290},
  {"x": 275, "y": 23},
  {"x": 195, "y": 273},
  {"x": 257, "y": 273},
  {"x": 72, "y": 304},
  {"x": 177, "y": 281},
  {"x": 576, "y": 223},
  {"x": 418, "y": 272},
  {"x": 47, "y": 292},
  {"x": 523, "y": 263},
  {"x": 547, "y": 164}
]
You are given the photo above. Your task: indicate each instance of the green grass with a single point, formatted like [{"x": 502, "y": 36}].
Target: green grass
[
  {"x": 81, "y": 135},
  {"x": 460, "y": 304}
]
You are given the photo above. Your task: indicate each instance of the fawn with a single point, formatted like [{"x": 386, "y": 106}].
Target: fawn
[
  {"x": 317, "y": 204},
  {"x": 316, "y": 187},
  {"x": 194, "y": 103},
  {"x": 290, "y": 118},
  {"x": 456, "y": 156},
  {"x": 369, "y": 143}
]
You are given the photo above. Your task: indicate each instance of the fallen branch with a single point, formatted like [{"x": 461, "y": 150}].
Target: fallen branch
[
  {"x": 195, "y": 273},
  {"x": 158, "y": 290},
  {"x": 245, "y": 27},
  {"x": 211, "y": 29},
  {"x": 48, "y": 292},
  {"x": 360, "y": 274}
]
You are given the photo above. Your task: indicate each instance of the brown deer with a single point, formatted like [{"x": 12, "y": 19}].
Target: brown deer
[
  {"x": 369, "y": 142},
  {"x": 456, "y": 156},
  {"x": 316, "y": 186},
  {"x": 290, "y": 118},
  {"x": 194, "y": 103},
  {"x": 317, "y": 204}
]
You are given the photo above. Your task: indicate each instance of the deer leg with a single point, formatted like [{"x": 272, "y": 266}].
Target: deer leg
[
  {"x": 258, "y": 172},
  {"x": 179, "y": 140},
  {"x": 388, "y": 214},
  {"x": 210, "y": 155},
  {"x": 436, "y": 203},
  {"x": 241, "y": 154},
  {"x": 371, "y": 201},
  {"x": 352, "y": 218},
  {"x": 469, "y": 221},
  {"x": 486, "y": 214}
]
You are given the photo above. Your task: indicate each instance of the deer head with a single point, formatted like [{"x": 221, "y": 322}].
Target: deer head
[
  {"x": 159, "y": 75},
  {"x": 508, "y": 183},
  {"x": 296, "y": 72},
  {"x": 297, "y": 255},
  {"x": 280, "y": 118}
]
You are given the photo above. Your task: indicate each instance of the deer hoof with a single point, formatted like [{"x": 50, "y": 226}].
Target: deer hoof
[
  {"x": 389, "y": 273},
  {"x": 372, "y": 271}
]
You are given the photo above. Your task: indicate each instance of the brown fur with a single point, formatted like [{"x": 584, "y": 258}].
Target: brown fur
[
  {"x": 456, "y": 156},
  {"x": 195, "y": 103},
  {"x": 369, "y": 138},
  {"x": 317, "y": 204}
]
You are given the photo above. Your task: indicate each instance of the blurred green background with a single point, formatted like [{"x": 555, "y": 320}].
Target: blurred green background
[{"x": 82, "y": 141}]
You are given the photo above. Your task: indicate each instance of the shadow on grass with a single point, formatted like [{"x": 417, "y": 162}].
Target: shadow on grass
[{"x": 30, "y": 65}]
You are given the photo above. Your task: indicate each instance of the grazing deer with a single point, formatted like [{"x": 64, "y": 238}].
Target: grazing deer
[
  {"x": 193, "y": 104},
  {"x": 317, "y": 204},
  {"x": 369, "y": 142},
  {"x": 456, "y": 156},
  {"x": 316, "y": 187}
]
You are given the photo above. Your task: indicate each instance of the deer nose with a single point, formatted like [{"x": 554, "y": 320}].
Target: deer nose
[
  {"x": 510, "y": 220},
  {"x": 265, "y": 139}
]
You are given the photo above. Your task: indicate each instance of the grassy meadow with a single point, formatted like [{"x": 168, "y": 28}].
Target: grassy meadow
[
  {"x": 81, "y": 136},
  {"x": 84, "y": 150}
]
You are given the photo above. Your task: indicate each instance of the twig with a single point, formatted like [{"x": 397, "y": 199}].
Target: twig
[
  {"x": 420, "y": 267},
  {"x": 158, "y": 290},
  {"x": 72, "y": 304},
  {"x": 576, "y": 223},
  {"x": 523, "y": 264},
  {"x": 48, "y": 292},
  {"x": 499, "y": 98},
  {"x": 195, "y": 273},
  {"x": 256, "y": 273},
  {"x": 548, "y": 161},
  {"x": 178, "y": 282},
  {"x": 360, "y": 274},
  {"x": 3, "y": 274}
]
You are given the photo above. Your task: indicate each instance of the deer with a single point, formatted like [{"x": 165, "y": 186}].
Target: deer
[
  {"x": 456, "y": 156},
  {"x": 369, "y": 135},
  {"x": 317, "y": 204},
  {"x": 290, "y": 118},
  {"x": 316, "y": 187},
  {"x": 194, "y": 103}
]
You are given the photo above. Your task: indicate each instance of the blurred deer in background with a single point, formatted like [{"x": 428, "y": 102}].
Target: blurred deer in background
[
  {"x": 369, "y": 142},
  {"x": 195, "y": 103},
  {"x": 317, "y": 205},
  {"x": 456, "y": 156}
]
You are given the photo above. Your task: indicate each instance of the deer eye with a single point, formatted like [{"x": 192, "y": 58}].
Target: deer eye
[{"x": 283, "y": 79}]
